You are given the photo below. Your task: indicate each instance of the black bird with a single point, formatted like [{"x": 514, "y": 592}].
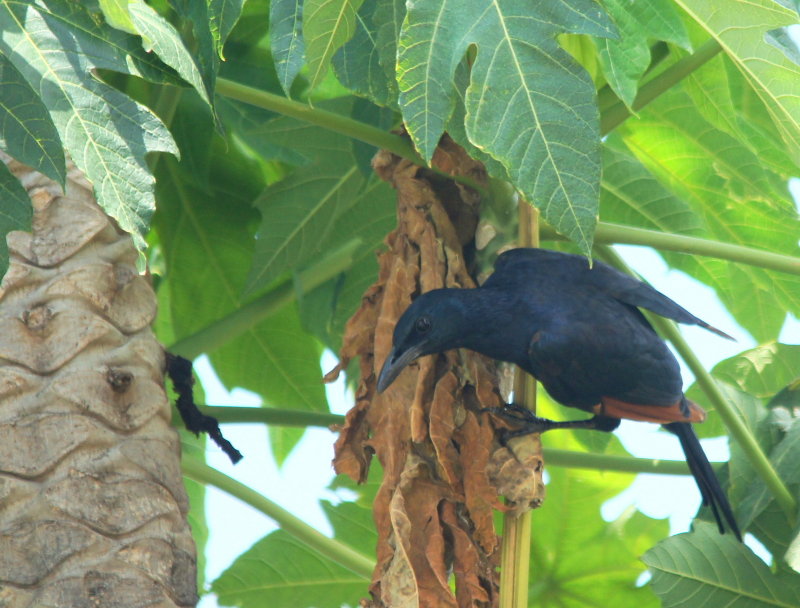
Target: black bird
[{"x": 579, "y": 331}]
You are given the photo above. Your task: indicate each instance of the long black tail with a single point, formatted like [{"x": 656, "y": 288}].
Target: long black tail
[{"x": 704, "y": 475}]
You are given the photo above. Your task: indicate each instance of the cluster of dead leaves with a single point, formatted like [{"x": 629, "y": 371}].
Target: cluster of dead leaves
[{"x": 443, "y": 468}]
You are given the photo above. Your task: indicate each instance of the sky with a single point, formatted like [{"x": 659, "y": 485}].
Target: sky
[{"x": 303, "y": 479}]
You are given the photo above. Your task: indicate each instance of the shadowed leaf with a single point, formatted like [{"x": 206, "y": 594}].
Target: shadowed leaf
[{"x": 716, "y": 570}]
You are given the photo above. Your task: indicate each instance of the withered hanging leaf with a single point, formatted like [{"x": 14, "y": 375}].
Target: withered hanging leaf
[{"x": 442, "y": 464}]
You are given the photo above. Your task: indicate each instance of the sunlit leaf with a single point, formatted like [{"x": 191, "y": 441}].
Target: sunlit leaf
[
  {"x": 279, "y": 361},
  {"x": 736, "y": 197},
  {"x": 563, "y": 571},
  {"x": 725, "y": 98},
  {"x": 117, "y": 15},
  {"x": 327, "y": 25},
  {"x": 631, "y": 195},
  {"x": 741, "y": 29},
  {"x": 762, "y": 371},
  {"x": 291, "y": 575},
  {"x": 213, "y": 243},
  {"x": 107, "y": 134},
  {"x": 624, "y": 60},
  {"x": 162, "y": 38}
]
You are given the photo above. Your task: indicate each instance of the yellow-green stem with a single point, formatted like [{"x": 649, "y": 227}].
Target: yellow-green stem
[
  {"x": 345, "y": 125},
  {"x": 609, "y": 234},
  {"x": 553, "y": 456},
  {"x": 515, "y": 552},
  {"x": 617, "y": 113}
]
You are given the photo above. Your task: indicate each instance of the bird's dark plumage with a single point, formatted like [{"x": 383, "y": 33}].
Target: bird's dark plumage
[{"x": 579, "y": 331}]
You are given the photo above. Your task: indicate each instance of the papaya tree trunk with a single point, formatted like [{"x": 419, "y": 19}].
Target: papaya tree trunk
[{"x": 92, "y": 505}]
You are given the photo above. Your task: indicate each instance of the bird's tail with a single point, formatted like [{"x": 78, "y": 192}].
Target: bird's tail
[{"x": 712, "y": 493}]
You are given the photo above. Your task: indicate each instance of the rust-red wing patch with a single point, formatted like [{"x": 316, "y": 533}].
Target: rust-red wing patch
[
  {"x": 662, "y": 414},
  {"x": 433, "y": 512}
]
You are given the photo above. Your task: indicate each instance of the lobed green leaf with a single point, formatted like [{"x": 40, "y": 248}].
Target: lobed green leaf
[
  {"x": 716, "y": 570},
  {"x": 326, "y": 310},
  {"x": 564, "y": 572},
  {"x": 737, "y": 198},
  {"x": 741, "y": 29},
  {"x": 161, "y": 37},
  {"x": 625, "y": 60},
  {"x": 327, "y": 25},
  {"x": 529, "y": 105},
  {"x": 286, "y": 37},
  {"x": 213, "y": 244},
  {"x": 27, "y": 131},
  {"x": 763, "y": 370},
  {"x": 107, "y": 134},
  {"x": 358, "y": 62},
  {"x": 15, "y": 212},
  {"x": 286, "y": 571}
]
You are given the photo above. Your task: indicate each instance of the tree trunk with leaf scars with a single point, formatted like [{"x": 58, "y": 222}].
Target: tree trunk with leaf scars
[{"x": 92, "y": 506}]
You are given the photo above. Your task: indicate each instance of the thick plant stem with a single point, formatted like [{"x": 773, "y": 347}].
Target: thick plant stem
[
  {"x": 616, "y": 114},
  {"x": 345, "y": 125},
  {"x": 234, "y": 324},
  {"x": 516, "y": 550},
  {"x": 269, "y": 415},
  {"x": 554, "y": 457},
  {"x": 732, "y": 421},
  {"x": 323, "y": 118},
  {"x": 608, "y": 234},
  {"x": 515, "y": 559},
  {"x": 607, "y": 462},
  {"x": 328, "y": 547}
]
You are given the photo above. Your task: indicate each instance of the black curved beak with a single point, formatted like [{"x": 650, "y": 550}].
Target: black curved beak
[{"x": 395, "y": 363}]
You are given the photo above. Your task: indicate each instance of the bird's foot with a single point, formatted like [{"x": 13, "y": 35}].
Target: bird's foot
[
  {"x": 512, "y": 412},
  {"x": 527, "y": 422}
]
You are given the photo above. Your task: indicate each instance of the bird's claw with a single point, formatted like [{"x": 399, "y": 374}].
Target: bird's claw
[
  {"x": 525, "y": 421},
  {"x": 511, "y": 412}
]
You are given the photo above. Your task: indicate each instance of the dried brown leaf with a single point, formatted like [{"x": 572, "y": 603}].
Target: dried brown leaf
[{"x": 442, "y": 465}]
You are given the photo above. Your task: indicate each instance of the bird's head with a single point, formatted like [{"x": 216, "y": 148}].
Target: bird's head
[{"x": 435, "y": 322}]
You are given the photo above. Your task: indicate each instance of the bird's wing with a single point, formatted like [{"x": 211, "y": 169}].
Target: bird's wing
[
  {"x": 601, "y": 351},
  {"x": 634, "y": 292},
  {"x": 541, "y": 269}
]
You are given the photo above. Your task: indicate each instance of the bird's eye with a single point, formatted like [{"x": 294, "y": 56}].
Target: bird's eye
[{"x": 423, "y": 325}]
